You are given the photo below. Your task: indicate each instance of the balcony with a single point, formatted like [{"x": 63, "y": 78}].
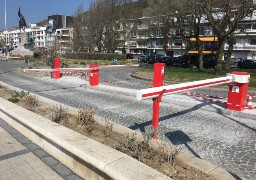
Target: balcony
[
  {"x": 243, "y": 47},
  {"x": 176, "y": 47},
  {"x": 142, "y": 37},
  {"x": 142, "y": 27}
]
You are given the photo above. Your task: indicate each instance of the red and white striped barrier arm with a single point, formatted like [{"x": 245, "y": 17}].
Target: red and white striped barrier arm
[
  {"x": 156, "y": 91},
  {"x": 120, "y": 65},
  {"x": 60, "y": 69}
]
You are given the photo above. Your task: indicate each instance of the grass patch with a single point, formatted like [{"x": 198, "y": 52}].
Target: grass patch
[{"x": 179, "y": 75}]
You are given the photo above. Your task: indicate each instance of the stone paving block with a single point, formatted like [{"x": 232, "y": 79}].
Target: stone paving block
[
  {"x": 50, "y": 161},
  {"x": 62, "y": 170}
]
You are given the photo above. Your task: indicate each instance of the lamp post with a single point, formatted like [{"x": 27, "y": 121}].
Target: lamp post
[{"x": 5, "y": 14}]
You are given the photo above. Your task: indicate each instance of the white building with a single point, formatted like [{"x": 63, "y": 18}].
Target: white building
[
  {"x": 141, "y": 41},
  {"x": 40, "y": 37},
  {"x": 64, "y": 37}
]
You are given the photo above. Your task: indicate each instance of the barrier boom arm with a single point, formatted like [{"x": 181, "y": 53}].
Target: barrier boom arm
[
  {"x": 60, "y": 69},
  {"x": 156, "y": 91}
]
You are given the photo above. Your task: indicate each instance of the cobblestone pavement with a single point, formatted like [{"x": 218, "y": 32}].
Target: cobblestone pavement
[
  {"x": 122, "y": 78},
  {"x": 227, "y": 141},
  {"x": 53, "y": 169}
]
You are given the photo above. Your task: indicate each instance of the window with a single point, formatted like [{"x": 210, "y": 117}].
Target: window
[
  {"x": 244, "y": 26},
  {"x": 133, "y": 43},
  {"x": 142, "y": 44},
  {"x": 178, "y": 42},
  {"x": 253, "y": 42},
  {"x": 132, "y": 34},
  {"x": 159, "y": 43}
]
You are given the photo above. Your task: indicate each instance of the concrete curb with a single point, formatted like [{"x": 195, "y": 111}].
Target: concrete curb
[
  {"x": 93, "y": 161},
  {"x": 88, "y": 158}
]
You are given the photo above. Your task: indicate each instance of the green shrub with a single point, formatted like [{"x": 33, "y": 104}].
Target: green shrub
[{"x": 16, "y": 96}]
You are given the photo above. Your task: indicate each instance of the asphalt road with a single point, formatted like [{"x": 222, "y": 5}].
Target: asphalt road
[{"x": 227, "y": 141}]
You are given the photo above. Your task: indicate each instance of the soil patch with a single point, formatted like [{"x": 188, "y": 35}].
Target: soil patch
[{"x": 161, "y": 158}]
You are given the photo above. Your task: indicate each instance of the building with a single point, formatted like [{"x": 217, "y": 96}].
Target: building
[
  {"x": 64, "y": 37},
  {"x": 141, "y": 40},
  {"x": 61, "y": 21},
  {"x": 1, "y": 36},
  {"x": 245, "y": 40},
  {"x": 40, "y": 35}
]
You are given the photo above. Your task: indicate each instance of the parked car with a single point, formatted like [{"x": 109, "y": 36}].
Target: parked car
[
  {"x": 191, "y": 60},
  {"x": 209, "y": 61},
  {"x": 154, "y": 58},
  {"x": 129, "y": 56},
  {"x": 142, "y": 58},
  {"x": 249, "y": 64},
  {"x": 186, "y": 60},
  {"x": 167, "y": 60}
]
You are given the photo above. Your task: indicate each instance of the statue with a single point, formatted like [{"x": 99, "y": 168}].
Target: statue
[{"x": 22, "y": 22}]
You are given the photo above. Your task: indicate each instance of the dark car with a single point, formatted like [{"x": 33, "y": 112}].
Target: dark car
[
  {"x": 249, "y": 64},
  {"x": 191, "y": 60},
  {"x": 169, "y": 61},
  {"x": 210, "y": 61},
  {"x": 142, "y": 58},
  {"x": 166, "y": 59},
  {"x": 186, "y": 60},
  {"x": 129, "y": 56},
  {"x": 154, "y": 58}
]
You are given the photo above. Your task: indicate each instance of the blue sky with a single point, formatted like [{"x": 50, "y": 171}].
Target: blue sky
[{"x": 37, "y": 10}]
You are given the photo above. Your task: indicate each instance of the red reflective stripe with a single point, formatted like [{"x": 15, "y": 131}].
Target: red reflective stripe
[{"x": 184, "y": 88}]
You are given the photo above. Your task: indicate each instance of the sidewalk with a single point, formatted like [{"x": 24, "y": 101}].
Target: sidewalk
[
  {"x": 173, "y": 99},
  {"x": 17, "y": 160}
]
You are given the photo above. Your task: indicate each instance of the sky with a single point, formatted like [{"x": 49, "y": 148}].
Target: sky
[{"x": 36, "y": 10}]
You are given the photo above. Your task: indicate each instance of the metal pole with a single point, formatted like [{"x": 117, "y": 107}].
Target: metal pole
[{"x": 5, "y": 14}]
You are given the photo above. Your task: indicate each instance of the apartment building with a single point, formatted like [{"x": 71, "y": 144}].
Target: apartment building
[
  {"x": 143, "y": 41},
  {"x": 1, "y": 36},
  {"x": 11, "y": 37},
  {"x": 61, "y": 29},
  {"x": 38, "y": 34},
  {"x": 64, "y": 37},
  {"x": 245, "y": 40},
  {"x": 60, "y": 21}
]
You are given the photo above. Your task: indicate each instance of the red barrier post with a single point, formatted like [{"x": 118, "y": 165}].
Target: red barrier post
[
  {"x": 237, "y": 94},
  {"x": 158, "y": 80},
  {"x": 94, "y": 75},
  {"x": 56, "y": 74}
]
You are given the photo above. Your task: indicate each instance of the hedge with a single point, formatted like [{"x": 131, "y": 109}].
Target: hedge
[{"x": 94, "y": 56}]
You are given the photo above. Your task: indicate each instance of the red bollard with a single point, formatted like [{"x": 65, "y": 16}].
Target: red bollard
[
  {"x": 56, "y": 74},
  {"x": 158, "y": 80},
  {"x": 94, "y": 75},
  {"x": 237, "y": 94}
]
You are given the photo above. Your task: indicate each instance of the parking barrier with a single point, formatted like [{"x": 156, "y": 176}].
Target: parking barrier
[
  {"x": 93, "y": 69},
  {"x": 249, "y": 102},
  {"x": 236, "y": 97}
]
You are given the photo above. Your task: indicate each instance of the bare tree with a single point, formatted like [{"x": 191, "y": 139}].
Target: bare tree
[
  {"x": 223, "y": 17},
  {"x": 78, "y": 40},
  {"x": 182, "y": 15},
  {"x": 113, "y": 28},
  {"x": 95, "y": 24}
]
